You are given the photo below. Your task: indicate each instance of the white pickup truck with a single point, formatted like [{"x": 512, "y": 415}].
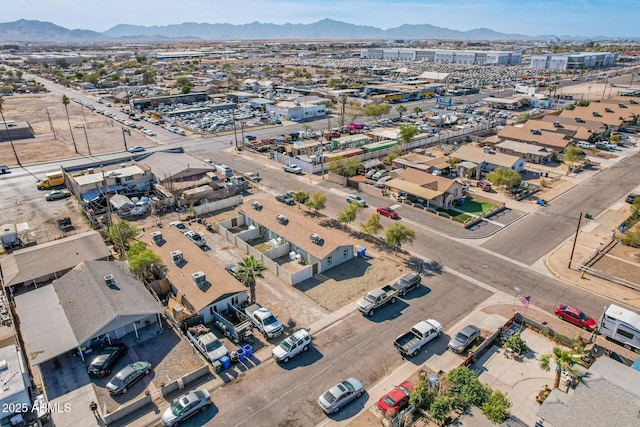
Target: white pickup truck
[
  {"x": 207, "y": 343},
  {"x": 264, "y": 320},
  {"x": 422, "y": 332},
  {"x": 376, "y": 298}
]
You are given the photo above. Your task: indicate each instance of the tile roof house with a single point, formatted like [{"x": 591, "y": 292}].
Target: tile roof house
[
  {"x": 542, "y": 137},
  {"x": 43, "y": 263},
  {"x": 608, "y": 394},
  {"x": 95, "y": 299}
]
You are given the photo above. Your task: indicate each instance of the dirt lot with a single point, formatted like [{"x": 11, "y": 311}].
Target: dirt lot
[{"x": 93, "y": 133}]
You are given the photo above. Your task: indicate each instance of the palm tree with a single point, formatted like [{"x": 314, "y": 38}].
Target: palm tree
[
  {"x": 65, "y": 102},
  {"x": 401, "y": 109},
  {"x": 6, "y": 128},
  {"x": 564, "y": 360},
  {"x": 417, "y": 110},
  {"x": 250, "y": 269}
]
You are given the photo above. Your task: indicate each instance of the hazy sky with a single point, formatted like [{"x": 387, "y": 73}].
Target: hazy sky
[{"x": 616, "y": 18}]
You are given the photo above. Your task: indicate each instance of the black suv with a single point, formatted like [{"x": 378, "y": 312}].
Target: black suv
[
  {"x": 407, "y": 282},
  {"x": 103, "y": 362},
  {"x": 632, "y": 197}
]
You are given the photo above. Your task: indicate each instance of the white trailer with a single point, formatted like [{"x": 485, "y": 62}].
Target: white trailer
[{"x": 621, "y": 325}]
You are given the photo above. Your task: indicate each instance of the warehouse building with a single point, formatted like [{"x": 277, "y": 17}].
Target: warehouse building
[
  {"x": 444, "y": 56},
  {"x": 573, "y": 61}
]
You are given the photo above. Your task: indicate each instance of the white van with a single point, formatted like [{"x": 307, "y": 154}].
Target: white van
[{"x": 586, "y": 145}]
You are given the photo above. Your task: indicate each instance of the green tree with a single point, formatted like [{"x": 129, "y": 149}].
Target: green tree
[
  {"x": 392, "y": 155},
  {"x": 300, "y": 196},
  {"x": 440, "y": 408},
  {"x": 496, "y": 408},
  {"x": 571, "y": 107},
  {"x": 583, "y": 103},
  {"x": 249, "y": 270},
  {"x": 422, "y": 395},
  {"x": 120, "y": 234},
  {"x": 564, "y": 360},
  {"x": 372, "y": 226},
  {"x": 401, "y": 109},
  {"x": 631, "y": 237},
  {"x": 397, "y": 235},
  {"x": 465, "y": 388},
  {"x": 6, "y": 128},
  {"x": 417, "y": 110},
  {"x": 349, "y": 213},
  {"x": 143, "y": 262},
  {"x": 615, "y": 138},
  {"x": 406, "y": 133},
  {"x": 148, "y": 77},
  {"x": 65, "y": 102},
  {"x": 454, "y": 161},
  {"x": 344, "y": 166},
  {"x": 504, "y": 177},
  {"x": 376, "y": 110},
  {"x": 516, "y": 342},
  {"x": 317, "y": 201},
  {"x": 573, "y": 154},
  {"x": 522, "y": 117}
]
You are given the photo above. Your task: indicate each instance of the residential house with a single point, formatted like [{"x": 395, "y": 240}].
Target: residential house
[
  {"x": 198, "y": 284},
  {"x": 425, "y": 188},
  {"x": 296, "y": 247},
  {"x": 95, "y": 301},
  {"x": 608, "y": 394},
  {"x": 487, "y": 159},
  {"x": 40, "y": 264},
  {"x": 16, "y": 385},
  {"x": 530, "y": 152},
  {"x": 547, "y": 138},
  {"x": 424, "y": 163}
]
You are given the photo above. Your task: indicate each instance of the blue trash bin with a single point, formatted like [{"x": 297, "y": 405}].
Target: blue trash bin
[
  {"x": 240, "y": 353},
  {"x": 226, "y": 362},
  {"x": 248, "y": 350}
]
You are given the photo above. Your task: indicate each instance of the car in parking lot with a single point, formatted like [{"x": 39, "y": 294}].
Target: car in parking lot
[
  {"x": 292, "y": 169},
  {"x": 137, "y": 149},
  {"x": 283, "y": 198},
  {"x": 103, "y": 362},
  {"x": 128, "y": 376},
  {"x": 397, "y": 399},
  {"x": 339, "y": 395},
  {"x": 575, "y": 316},
  {"x": 387, "y": 211},
  {"x": 463, "y": 339},
  {"x": 354, "y": 198},
  {"x": 185, "y": 407},
  {"x": 57, "y": 195}
]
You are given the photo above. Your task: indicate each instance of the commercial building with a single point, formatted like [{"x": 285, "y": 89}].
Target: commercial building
[
  {"x": 443, "y": 55},
  {"x": 573, "y": 61}
]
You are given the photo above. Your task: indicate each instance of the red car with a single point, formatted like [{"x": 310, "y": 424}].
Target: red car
[
  {"x": 387, "y": 211},
  {"x": 397, "y": 399},
  {"x": 575, "y": 316}
]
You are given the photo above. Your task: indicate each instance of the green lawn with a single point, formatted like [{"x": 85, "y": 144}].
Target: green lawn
[
  {"x": 456, "y": 216},
  {"x": 476, "y": 206}
]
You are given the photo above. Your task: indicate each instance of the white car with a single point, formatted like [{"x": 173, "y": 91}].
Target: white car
[
  {"x": 137, "y": 149},
  {"x": 292, "y": 169},
  {"x": 298, "y": 342},
  {"x": 354, "y": 198},
  {"x": 339, "y": 395}
]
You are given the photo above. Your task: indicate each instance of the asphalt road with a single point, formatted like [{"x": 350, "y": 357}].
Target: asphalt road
[
  {"x": 537, "y": 234},
  {"x": 358, "y": 346}
]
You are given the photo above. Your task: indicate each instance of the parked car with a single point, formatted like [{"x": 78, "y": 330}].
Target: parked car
[
  {"x": 484, "y": 185},
  {"x": 253, "y": 176},
  {"x": 232, "y": 269},
  {"x": 137, "y": 149},
  {"x": 464, "y": 338},
  {"x": 103, "y": 362},
  {"x": 339, "y": 395},
  {"x": 387, "y": 211},
  {"x": 293, "y": 193},
  {"x": 397, "y": 399},
  {"x": 575, "y": 316},
  {"x": 185, "y": 407},
  {"x": 179, "y": 225},
  {"x": 128, "y": 376},
  {"x": 57, "y": 195},
  {"x": 380, "y": 183},
  {"x": 292, "y": 169},
  {"x": 379, "y": 174},
  {"x": 631, "y": 197},
  {"x": 296, "y": 343},
  {"x": 354, "y": 198},
  {"x": 283, "y": 198}
]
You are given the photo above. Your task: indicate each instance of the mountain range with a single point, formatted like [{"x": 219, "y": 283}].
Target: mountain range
[{"x": 326, "y": 29}]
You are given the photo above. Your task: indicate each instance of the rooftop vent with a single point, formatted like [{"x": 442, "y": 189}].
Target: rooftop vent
[
  {"x": 282, "y": 219},
  {"x": 109, "y": 280},
  {"x": 315, "y": 238},
  {"x": 4, "y": 365},
  {"x": 176, "y": 257},
  {"x": 156, "y": 236}
]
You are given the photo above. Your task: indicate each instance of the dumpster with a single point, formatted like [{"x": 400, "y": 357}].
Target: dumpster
[
  {"x": 248, "y": 350},
  {"x": 217, "y": 366}
]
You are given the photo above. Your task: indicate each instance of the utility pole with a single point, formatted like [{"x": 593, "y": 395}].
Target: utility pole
[
  {"x": 124, "y": 138},
  {"x": 86, "y": 137},
  {"x": 51, "y": 124},
  {"x": 235, "y": 133},
  {"x": 575, "y": 239}
]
